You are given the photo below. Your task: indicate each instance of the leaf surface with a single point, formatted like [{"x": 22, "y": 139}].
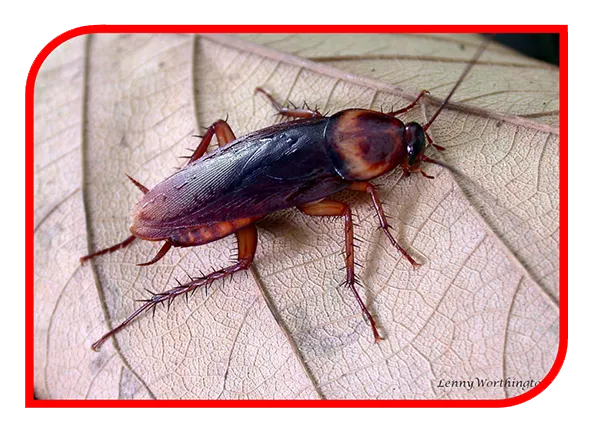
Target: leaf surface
[{"x": 483, "y": 305}]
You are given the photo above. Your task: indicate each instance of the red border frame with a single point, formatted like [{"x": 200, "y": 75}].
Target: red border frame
[{"x": 562, "y": 30}]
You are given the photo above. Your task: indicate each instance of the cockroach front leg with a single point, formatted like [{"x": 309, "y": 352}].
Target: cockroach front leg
[
  {"x": 370, "y": 189},
  {"x": 409, "y": 107},
  {"x": 336, "y": 208},
  {"x": 247, "y": 244},
  {"x": 431, "y": 142},
  {"x": 289, "y": 112}
]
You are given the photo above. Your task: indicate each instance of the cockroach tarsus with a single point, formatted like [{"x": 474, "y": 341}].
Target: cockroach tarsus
[{"x": 298, "y": 163}]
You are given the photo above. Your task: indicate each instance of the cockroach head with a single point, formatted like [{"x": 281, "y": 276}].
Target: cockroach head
[{"x": 415, "y": 143}]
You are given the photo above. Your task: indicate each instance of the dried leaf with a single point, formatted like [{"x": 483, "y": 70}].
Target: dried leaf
[{"x": 483, "y": 305}]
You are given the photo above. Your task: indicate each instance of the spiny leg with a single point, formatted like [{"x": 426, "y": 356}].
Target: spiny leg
[
  {"x": 247, "y": 244},
  {"x": 370, "y": 189},
  {"x": 431, "y": 142},
  {"x": 288, "y": 112},
  {"x": 224, "y": 135},
  {"x": 336, "y": 208},
  {"x": 408, "y": 170},
  {"x": 110, "y": 249},
  {"x": 246, "y": 237},
  {"x": 409, "y": 107},
  {"x": 161, "y": 253}
]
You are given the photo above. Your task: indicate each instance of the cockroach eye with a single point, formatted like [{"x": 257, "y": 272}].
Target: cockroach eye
[{"x": 415, "y": 141}]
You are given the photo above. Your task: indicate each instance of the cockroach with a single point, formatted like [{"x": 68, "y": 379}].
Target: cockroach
[{"x": 297, "y": 163}]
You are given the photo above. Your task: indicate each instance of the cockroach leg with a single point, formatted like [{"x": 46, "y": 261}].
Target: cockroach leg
[
  {"x": 223, "y": 133},
  {"x": 426, "y": 175},
  {"x": 336, "y": 208},
  {"x": 289, "y": 112},
  {"x": 110, "y": 249},
  {"x": 409, "y": 107},
  {"x": 161, "y": 253},
  {"x": 247, "y": 245},
  {"x": 370, "y": 189},
  {"x": 431, "y": 142}
]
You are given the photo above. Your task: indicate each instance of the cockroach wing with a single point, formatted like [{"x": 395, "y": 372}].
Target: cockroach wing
[{"x": 272, "y": 169}]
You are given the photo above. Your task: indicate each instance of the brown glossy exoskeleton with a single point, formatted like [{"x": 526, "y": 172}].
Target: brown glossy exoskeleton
[{"x": 298, "y": 163}]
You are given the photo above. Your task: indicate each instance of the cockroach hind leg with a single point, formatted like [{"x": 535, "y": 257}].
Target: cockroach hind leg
[
  {"x": 220, "y": 129},
  {"x": 110, "y": 249},
  {"x": 161, "y": 253},
  {"x": 247, "y": 238},
  {"x": 293, "y": 112}
]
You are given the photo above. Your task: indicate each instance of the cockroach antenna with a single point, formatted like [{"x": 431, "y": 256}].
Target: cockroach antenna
[
  {"x": 469, "y": 66},
  {"x": 466, "y": 71}
]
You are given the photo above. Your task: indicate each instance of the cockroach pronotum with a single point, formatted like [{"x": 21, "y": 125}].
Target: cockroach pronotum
[{"x": 298, "y": 163}]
